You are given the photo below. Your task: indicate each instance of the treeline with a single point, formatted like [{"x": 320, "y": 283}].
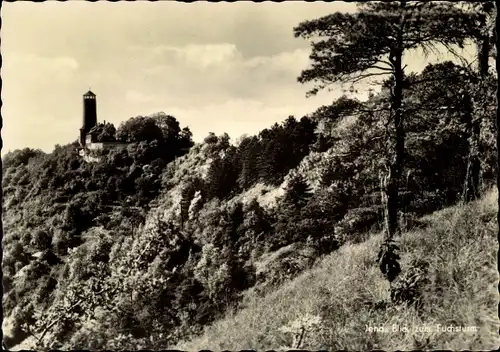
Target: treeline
[{"x": 265, "y": 158}]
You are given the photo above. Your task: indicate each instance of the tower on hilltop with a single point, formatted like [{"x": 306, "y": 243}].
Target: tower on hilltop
[{"x": 89, "y": 115}]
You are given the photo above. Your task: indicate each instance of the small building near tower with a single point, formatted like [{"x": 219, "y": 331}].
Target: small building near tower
[{"x": 89, "y": 142}]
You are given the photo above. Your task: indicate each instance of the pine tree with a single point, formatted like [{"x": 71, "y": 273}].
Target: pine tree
[
  {"x": 271, "y": 156},
  {"x": 297, "y": 192},
  {"x": 481, "y": 34},
  {"x": 371, "y": 43},
  {"x": 223, "y": 174},
  {"x": 248, "y": 151}
]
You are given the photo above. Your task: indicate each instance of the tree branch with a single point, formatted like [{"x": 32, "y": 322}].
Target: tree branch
[
  {"x": 374, "y": 110},
  {"x": 366, "y": 75},
  {"x": 382, "y": 68},
  {"x": 387, "y": 63},
  {"x": 426, "y": 80}
]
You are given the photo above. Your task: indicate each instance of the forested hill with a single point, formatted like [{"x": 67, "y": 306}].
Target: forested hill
[{"x": 153, "y": 242}]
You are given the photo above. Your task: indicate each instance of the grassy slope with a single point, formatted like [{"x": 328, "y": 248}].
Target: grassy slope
[{"x": 460, "y": 246}]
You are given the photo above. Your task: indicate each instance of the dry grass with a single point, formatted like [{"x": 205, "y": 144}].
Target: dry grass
[{"x": 460, "y": 247}]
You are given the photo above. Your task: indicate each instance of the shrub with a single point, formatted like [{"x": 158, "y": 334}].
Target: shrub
[
  {"x": 356, "y": 223},
  {"x": 41, "y": 240},
  {"x": 285, "y": 264},
  {"x": 407, "y": 288},
  {"x": 213, "y": 271},
  {"x": 62, "y": 241}
]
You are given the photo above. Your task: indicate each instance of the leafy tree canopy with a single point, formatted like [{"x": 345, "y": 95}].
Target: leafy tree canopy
[{"x": 358, "y": 46}]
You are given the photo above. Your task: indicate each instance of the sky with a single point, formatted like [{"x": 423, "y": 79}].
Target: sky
[{"x": 216, "y": 67}]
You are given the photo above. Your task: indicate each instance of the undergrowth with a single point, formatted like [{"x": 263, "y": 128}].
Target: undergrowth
[{"x": 448, "y": 269}]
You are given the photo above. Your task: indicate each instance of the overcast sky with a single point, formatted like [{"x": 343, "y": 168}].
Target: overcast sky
[{"x": 216, "y": 67}]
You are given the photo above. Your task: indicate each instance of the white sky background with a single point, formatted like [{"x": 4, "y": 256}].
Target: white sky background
[{"x": 216, "y": 67}]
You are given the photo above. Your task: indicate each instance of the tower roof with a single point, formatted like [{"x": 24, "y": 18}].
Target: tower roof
[{"x": 89, "y": 93}]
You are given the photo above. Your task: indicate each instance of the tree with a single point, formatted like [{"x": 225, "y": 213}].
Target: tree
[
  {"x": 439, "y": 134},
  {"x": 186, "y": 138},
  {"x": 211, "y": 138},
  {"x": 371, "y": 43},
  {"x": 481, "y": 35},
  {"x": 249, "y": 152},
  {"x": 222, "y": 176},
  {"x": 107, "y": 133},
  {"x": 297, "y": 192},
  {"x": 187, "y": 195},
  {"x": 328, "y": 117},
  {"x": 169, "y": 126},
  {"x": 287, "y": 228},
  {"x": 20, "y": 157},
  {"x": 256, "y": 225},
  {"x": 283, "y": 147},
  {"x": 140, "y": 128}
]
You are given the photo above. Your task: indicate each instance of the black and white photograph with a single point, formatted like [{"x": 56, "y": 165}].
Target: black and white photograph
[{"x": 231, "y": 176}]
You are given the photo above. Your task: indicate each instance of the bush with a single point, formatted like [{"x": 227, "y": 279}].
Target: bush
[
  {"x": 16, "y": 253},
  {"x": 26, "y": 239},
  {"x": 213, "y": 271},
  {"x": 408, "y": 287},
  {"x": 356, "y": 223},
  {"x": 41, "y": 240},
  {"x": 285, "y": 264},
  {"x": 62, "y": 241},
  {"x": 20, "y": 157}
]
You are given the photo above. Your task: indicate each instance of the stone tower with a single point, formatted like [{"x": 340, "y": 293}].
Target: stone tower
[{"x": 89, "y": 115}]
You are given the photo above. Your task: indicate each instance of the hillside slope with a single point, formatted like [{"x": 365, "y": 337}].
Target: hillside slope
[
  {"x": 150, "y": 245},
  {"x": 345, "y": 293}
]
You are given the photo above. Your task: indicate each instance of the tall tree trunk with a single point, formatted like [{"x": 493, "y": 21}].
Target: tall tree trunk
[
  {"x": 397, "y": 141},
  {"x": 471, "y": 187},
  {"x": 476, "y": 126},
  {"x": 484, "y": 54},
  {"x": 474, "y": 164}
]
